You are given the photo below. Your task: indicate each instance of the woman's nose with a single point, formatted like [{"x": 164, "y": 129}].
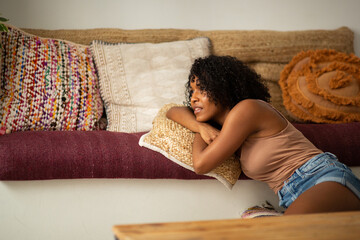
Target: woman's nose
[{"x": 194, "y": 98}]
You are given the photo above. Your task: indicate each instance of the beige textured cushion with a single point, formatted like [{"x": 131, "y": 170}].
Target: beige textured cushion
[
  {"x": 136, "y": 80},
  {"x": 266, "y": 51},
  {"x": 175, "y": 142},
  {"x": 322, "y": 86}
]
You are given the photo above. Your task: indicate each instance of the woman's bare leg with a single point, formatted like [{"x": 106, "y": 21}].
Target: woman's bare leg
[{"x": 325, "y": 197}]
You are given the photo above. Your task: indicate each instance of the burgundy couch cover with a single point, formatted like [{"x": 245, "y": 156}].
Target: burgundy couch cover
[{"x": 39, "y": 155}]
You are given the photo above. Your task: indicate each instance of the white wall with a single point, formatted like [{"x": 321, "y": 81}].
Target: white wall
[
  {"x": 193, "y": 14},
  {"x": 87, "y": 209}
]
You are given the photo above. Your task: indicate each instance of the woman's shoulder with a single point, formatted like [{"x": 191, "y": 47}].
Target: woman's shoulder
[
  {"x": 246, "y": 118},
  {"x": 251, "y": 105},
  {"x": 257, "y": 112},
  {"x": 247, "y": 110}
]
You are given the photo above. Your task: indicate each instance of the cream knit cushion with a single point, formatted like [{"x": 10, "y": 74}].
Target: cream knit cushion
[
  {"x": 136, "y": 80},
  {"x": 175, "y": 142}
]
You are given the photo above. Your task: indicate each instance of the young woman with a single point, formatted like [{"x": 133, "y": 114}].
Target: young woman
[{"x": 229, "y": 112}]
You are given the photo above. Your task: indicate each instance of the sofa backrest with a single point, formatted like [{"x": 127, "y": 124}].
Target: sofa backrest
[
  {"x": 247, "y": 45},
  {"x": 266, "y": 51}
]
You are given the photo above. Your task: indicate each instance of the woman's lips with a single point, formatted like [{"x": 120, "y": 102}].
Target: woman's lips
[{"x": 197, "y": 110}]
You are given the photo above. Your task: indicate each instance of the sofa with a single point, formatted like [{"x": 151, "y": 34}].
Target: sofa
[{"x": 103, "y": 158}]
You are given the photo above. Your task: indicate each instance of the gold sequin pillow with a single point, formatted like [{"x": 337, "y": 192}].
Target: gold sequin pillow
[
  {"x": 322, "y": 86},
  {"x": 175, "y": 142}
]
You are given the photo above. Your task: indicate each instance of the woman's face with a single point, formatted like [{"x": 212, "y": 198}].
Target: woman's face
[{"x": 204, "y": 108}]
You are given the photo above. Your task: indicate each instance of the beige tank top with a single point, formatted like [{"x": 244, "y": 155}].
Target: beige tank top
[{"x": 273, "y": 159}]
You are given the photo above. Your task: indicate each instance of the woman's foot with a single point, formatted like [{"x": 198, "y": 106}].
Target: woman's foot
[{"x": 265, "y": 210}]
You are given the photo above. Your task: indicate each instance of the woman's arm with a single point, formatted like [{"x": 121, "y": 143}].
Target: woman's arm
[
  {"x": 198, "y": 146},
  {"x": 242, "y": 121},
  {"x": 185, "y": 117}
]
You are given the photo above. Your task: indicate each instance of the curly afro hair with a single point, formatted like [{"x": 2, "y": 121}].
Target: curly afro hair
[{"x": 226, "y": 80}]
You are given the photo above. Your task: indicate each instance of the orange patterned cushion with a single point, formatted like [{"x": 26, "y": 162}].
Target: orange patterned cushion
[{"x": 322, "y": 86}]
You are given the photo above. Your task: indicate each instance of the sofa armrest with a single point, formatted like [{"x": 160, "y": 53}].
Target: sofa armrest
[
  {"x": 342, "y": 139},
  {"x": 38, "y": 155}
]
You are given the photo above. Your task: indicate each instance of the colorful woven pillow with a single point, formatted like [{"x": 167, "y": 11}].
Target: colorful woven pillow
[
  {"x": 47, "y": 84},
  {"x": 175, "y": 142},
  {"x": 137, "y": 79},
  {"x": 322, "y": 86}
]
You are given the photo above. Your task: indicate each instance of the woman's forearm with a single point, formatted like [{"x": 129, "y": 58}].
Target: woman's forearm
[
  {"x": 205, "y": 134},
  {"x": 185, "y": 117},
  {"x": 200, "y": 166}
]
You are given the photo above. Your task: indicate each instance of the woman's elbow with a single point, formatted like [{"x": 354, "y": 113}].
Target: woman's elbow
[
  {"x": 170, "y": 113},
  {"x": 200, "y": 168}
]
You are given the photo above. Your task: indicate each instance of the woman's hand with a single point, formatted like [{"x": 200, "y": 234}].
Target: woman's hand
[{"x": 208, "y": 133}]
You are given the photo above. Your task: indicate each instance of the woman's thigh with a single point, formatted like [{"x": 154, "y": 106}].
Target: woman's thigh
[
  {"x": 325, "y": 197},
  {"x": 320, "y": 185}
]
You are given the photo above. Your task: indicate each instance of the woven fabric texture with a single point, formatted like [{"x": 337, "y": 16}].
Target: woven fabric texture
[
  {"x": 267, "y": 51},
  {"x": 47, "y": 84},
  {"x": 322, "y": 86},
  {"x": 175, "y": 142},
  {"x": 246, "y": 45},
  {"x": 136, "y": 80}
]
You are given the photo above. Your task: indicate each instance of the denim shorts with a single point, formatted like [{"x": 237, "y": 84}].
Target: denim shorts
[{"x": 324, "y": 167}]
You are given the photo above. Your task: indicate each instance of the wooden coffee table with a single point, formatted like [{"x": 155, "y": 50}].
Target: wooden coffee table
[{"x": 341, "y": 225}]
